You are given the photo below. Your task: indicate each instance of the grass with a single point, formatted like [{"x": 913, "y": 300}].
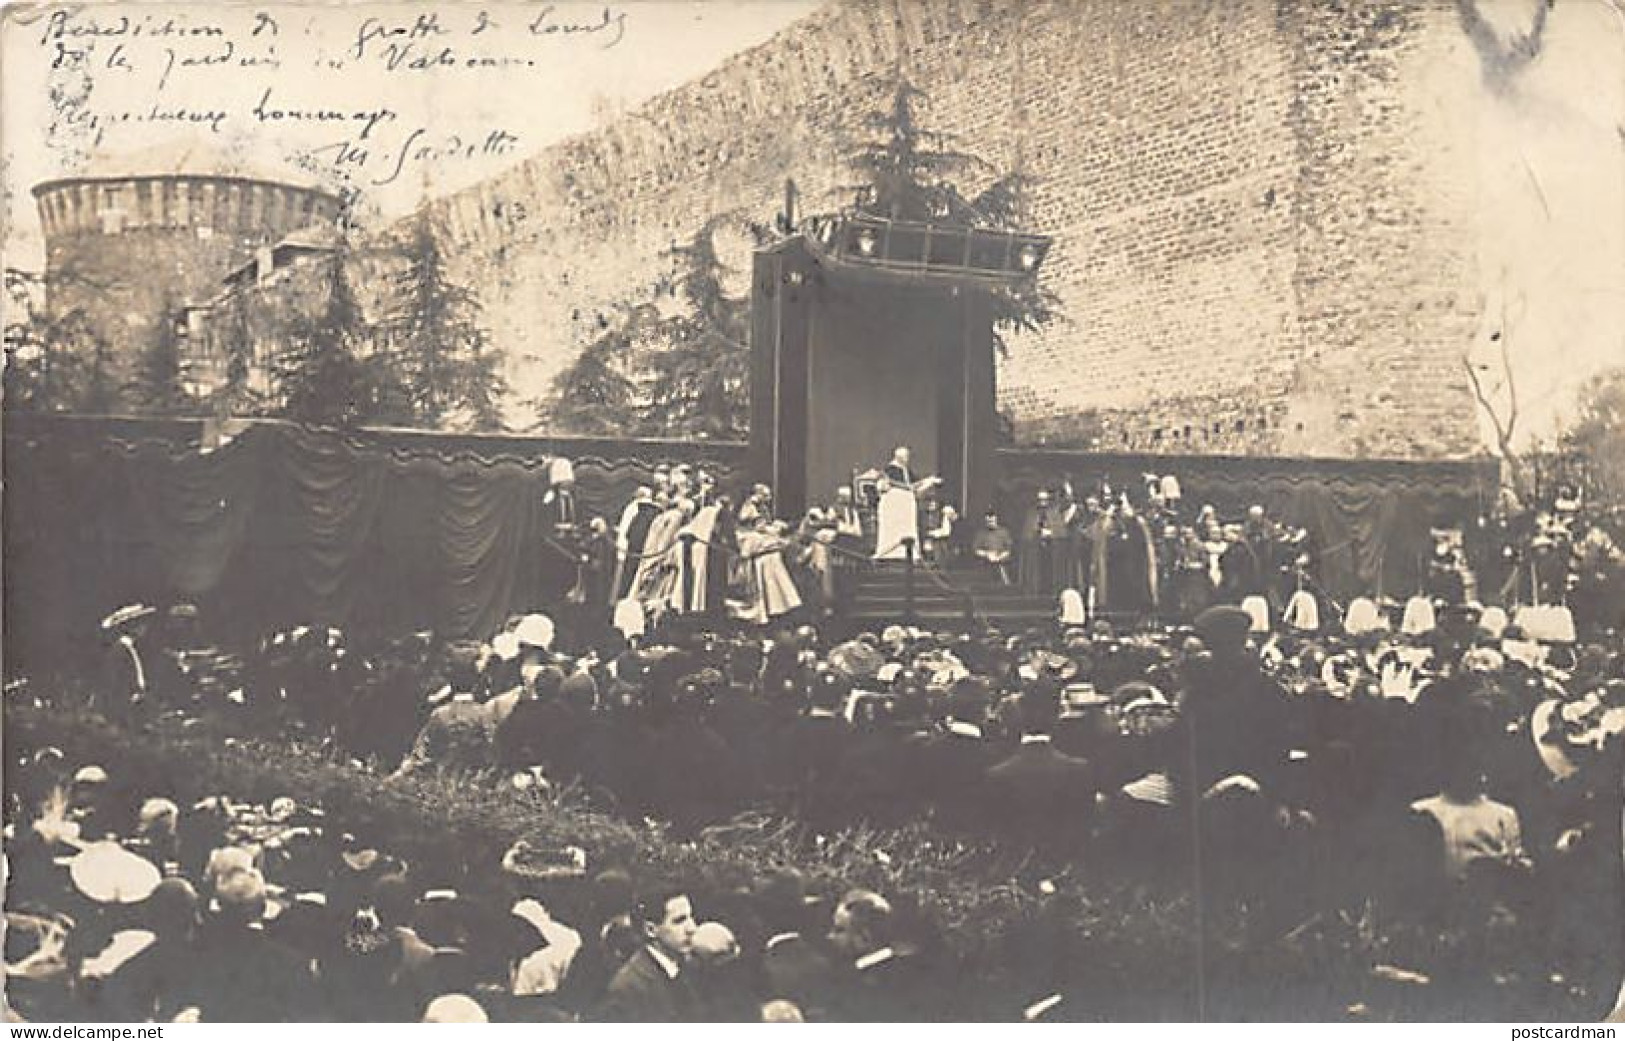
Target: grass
[{"x": 1127, "y": 951}]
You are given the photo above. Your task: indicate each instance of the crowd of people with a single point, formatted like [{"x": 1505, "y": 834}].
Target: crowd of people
[
  {"x": 1134, "y": 555},
  {"x": 1457, "y": 764}
]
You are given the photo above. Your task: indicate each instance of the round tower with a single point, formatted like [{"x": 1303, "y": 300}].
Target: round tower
[{"x": 134, "y": 235}]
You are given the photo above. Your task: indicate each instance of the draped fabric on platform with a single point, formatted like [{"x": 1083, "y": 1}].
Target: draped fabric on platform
[
  {"x": 384, "y": 532},
  {"x": 285, "y": 525}
]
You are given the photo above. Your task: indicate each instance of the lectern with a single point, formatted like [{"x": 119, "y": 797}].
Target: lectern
[{"x": 867, "y": 334}]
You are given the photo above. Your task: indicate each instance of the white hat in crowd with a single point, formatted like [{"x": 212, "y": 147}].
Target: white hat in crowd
[
  {"x": 534, "y": 630},
  {"x": 1363, "y": 617},
  {"x": 1258, "y": 609},
  {"x": 1419, "y": 618},
  {"x": 1302, "y": 611}
]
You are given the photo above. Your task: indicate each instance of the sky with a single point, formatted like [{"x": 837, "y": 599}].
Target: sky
[
  {"x": 1551, "y": 210},
  {"x": 481, "y": 85}
]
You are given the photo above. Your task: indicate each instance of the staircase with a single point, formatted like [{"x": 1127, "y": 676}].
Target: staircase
[{"x": 878, "y": 593}]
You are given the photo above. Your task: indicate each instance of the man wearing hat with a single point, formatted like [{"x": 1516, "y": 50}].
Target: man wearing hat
[
  {"x": 560, "y": 497},
  {"x": 1236, "y": 713},
  {"x": 458, "y": 733},
  {"x": 129, "y": 676},
  {"x": 1042, "y": 539},
  {"x": 992, "y": 546}
]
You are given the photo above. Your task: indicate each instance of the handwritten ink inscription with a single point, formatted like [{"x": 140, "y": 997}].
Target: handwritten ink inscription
[{"x": 324, "y": 87}]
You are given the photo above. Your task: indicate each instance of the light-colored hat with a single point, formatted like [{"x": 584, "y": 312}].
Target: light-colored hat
[
  {"x": 1548, "y": 624},
  {"x": 1170, "y": 487},
  {"x": 1154, "y": 788},
  {"x": 1527, "y": 652},
  {"x": 505, "y": 646},
  {"x": 1072, "y": 608},
  {"x": 91, "y": 774},
  {"x": 534, "y": 630},
  {"x": 240, "y": 889},
  {"x": 780, "y": 1010},
  {"x": 560, "y": 470},
  {"x": 1302, "y": 611},
  {"x": 127, "y": 614},
  {"x": 1258, "y": 609},
  {"x": 629, "y": 618},
  {"x": 1362, "y": 616},
  {"x": 110, "y": 874},
  {"x": 454, "y": 1008},
  {"x": 1493, "y": 621},
  {"x": 155, "y": 810},
  {"x": 1418, "y": 619}
]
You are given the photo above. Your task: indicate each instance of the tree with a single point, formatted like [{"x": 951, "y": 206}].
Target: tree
[
  {"x": 678, "y": 374},
  {"x": 909, "y": 173},
  {"x": 598, "y": 394},
  {"x": 235, "y": 340},
  {"x": 157, "y": 385},
  {"x": 701, "y": 383},
  {"x": 438, "y": 342},
  {"x": 1596, "y": 438},
  {"x": 1505, "y": 421},
  {"x": 322, "y": 377},
  {"x": 55, "y": 361}
]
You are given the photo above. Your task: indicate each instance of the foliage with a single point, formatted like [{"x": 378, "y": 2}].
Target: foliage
[
  {"x": 678, "y": 374},
  {"x": 439, "y": 347},
  {"x": 323, "y": 377},
  {"x": 157, "y": 384},
  {"x": 235, "y": 339},
  {"x": 973, "y": 903},
  {"x": 974, "y": 900},
  {"x": 701, "y": 381},
  {"x": 55, "y": 361},
  {"x": 598, "y": 393},
  {"x": 909, "y": 173},
  {"x": 1596, "y": 438}
]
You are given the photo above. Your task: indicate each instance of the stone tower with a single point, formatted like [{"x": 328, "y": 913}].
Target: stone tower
[{"x": 135, "y": 234}]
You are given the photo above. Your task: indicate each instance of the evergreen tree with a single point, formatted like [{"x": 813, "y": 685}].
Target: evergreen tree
[
  {"x": 598, "y": 393},
  {"x": 55, "y": 362},
  {"x": 1596, "y": 437},
  {"x": 701, "y": 383},
  {"x": 235, "y": 339},
  {"x": 680, "y": 374},
  {"x": 438, "y": 343},
  {"x": 157, "y": 385},
  {"x": 322, "y": 378},
  {"x": 909, "y": 173}
]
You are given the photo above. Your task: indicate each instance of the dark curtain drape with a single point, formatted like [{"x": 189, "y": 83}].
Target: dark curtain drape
[{"x": 286, "y": 525}]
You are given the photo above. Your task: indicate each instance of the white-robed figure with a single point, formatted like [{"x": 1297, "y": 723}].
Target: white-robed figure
[
  {"x": 898, "y": 517},
  {"x": 702, "y": 527}
]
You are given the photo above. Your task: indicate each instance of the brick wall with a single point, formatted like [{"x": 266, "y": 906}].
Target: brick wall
[{"x": 1261, "y": 221}]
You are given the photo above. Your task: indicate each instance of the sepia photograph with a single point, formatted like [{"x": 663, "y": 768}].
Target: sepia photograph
[{"x": 813, "y": 511}]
